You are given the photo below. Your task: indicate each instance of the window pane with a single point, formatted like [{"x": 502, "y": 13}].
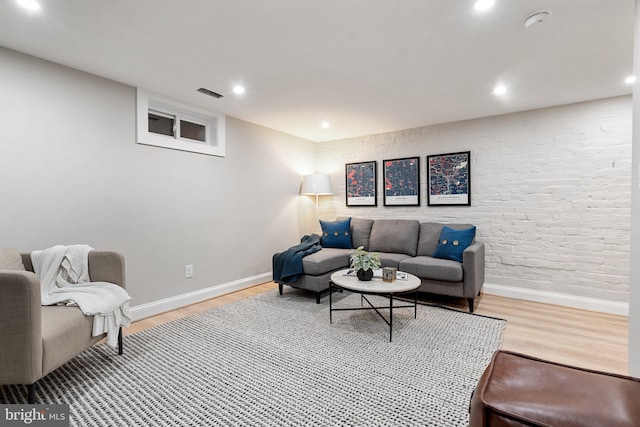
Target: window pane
[
  {"x": 161, "y": 124},
  {"x": 192, "y": 131}
]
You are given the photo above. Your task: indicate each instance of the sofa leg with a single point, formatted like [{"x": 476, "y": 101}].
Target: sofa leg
[
  {"x": 470, "y": 300},
  {"x": 317, "y": 297},
  {"x": 280, "y": 288},
  {"x": 120, "y": 349},
  {"x": 31, "y": 394}
]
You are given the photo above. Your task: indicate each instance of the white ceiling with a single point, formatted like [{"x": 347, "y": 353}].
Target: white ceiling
[{"x": 366, "y": 66}]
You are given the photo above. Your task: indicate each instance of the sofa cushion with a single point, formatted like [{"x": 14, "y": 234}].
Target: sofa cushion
[
  {"x": 391, "y": 260},
  {"x": 452, "y": 243},
  {"x": 426, "y": 267},
  {"x": 326, "y": 260},
  {"x": 361, "y": 232},
  {"x": 336, "y": 234},
  {"x": 430, "y": 233},
  {"x": 10, "y": 259},
  {"x": 395, "y": 236}
]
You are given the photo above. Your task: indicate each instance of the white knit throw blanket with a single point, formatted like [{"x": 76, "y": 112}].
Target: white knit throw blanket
[{"x": 64, "y": 279}]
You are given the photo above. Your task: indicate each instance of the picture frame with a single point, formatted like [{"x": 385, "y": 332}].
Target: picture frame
[
  {"x": 402, "y": 182},
  {"x": 361, "y": 183},
  {"x": 449, "y": 179}
]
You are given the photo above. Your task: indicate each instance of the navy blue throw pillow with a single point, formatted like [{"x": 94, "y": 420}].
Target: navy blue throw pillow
[
  {"x": 336, "y": 234},
  {"x": 452, "y": 243}
]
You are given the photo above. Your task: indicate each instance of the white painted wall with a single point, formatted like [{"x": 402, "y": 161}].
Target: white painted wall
[
  {"x": 634, "y": 302},
  {"x": 550, "y": 192},
  {"x": 71, "y": 172}
]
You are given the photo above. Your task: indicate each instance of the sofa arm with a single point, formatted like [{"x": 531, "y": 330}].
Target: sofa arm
[
  {"x": 20, "y": 328},
  {"x": 107, "y": 266},
  {"x": 473, "y": 267}
]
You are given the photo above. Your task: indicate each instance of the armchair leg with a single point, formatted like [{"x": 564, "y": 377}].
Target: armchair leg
[
  {"x": 31, "y": 393},
  {"x": 470, "y": 300},
  {"x": 280, "y": 288},
  {"x": 317, "y": 297},
  {"x": 120, "y": 349}
]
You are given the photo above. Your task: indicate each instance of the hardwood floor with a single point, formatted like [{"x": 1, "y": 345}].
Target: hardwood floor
[
  {"x": 566, "y": 335},
  {"x": 576, "y": 337}
]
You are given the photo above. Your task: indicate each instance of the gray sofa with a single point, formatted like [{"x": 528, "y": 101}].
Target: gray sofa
[
  {"x": 36, "y": 339},
  {"x": 407, "y": 245}
]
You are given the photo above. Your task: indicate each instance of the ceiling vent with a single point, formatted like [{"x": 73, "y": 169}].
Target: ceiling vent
[
  {"x": 537, "y": 18},
  {"x": 209, "y": 92}
]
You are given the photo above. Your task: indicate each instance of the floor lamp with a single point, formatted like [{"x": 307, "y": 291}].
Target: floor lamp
[{"x": 316, "y": 184}]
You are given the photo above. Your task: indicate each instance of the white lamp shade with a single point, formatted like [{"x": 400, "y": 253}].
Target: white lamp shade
[{"x": 316, "y": 184}]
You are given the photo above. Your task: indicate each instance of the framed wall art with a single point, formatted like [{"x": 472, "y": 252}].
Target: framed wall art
[
  {"x": 360, "y": 184},
  {"x": 402, "y": 182},
  {"x": 449, "y": 179}
]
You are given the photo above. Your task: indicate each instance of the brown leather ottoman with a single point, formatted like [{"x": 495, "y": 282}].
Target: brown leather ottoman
[{"x": 519, "y": 390}]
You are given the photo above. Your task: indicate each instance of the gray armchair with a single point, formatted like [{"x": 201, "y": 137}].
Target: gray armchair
[{"x": 36, "y": 339}]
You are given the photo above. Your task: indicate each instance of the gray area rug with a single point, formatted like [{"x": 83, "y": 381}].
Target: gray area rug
[{"x": 275, "y": 360}]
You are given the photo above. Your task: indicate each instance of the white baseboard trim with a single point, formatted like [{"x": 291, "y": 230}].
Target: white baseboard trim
[
  {"x": 584, "y": 303},
  {"x": 153, "y": 308}
]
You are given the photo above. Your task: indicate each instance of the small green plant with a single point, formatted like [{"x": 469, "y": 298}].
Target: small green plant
[{"x": 363, "y": 260}]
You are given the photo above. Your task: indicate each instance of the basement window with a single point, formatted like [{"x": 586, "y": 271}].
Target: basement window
[
  {"x": 169, "y": 123},
  {"x": 161, "y": 123}
]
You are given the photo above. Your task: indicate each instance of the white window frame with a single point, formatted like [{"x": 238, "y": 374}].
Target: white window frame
[{"x": 213, "y": 122}]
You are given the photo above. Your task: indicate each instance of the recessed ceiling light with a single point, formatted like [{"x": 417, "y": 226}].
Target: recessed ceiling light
[
  {"x": 482, "y": 5},
  {"x": 630, "y": 80},
  {"x": 238, "y": 90},
  {"x": 500, "y": 90},
  {"x": 29, "y": 4},
  {"x": 325, "y": 125}
]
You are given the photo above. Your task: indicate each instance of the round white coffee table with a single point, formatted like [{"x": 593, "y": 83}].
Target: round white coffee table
[{"x": 341, "y": 280}]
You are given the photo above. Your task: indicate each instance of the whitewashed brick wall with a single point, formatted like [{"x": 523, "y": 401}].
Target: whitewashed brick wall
[{"x": 550, "y": 192}]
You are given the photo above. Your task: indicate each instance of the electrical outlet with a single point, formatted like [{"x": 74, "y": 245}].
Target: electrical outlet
[{"x": 188, "y": 271}]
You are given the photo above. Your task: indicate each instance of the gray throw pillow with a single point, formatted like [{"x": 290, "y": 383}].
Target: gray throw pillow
[
  {"x": 10, "y": 259},
  {"x": 398, "y": 236}
]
